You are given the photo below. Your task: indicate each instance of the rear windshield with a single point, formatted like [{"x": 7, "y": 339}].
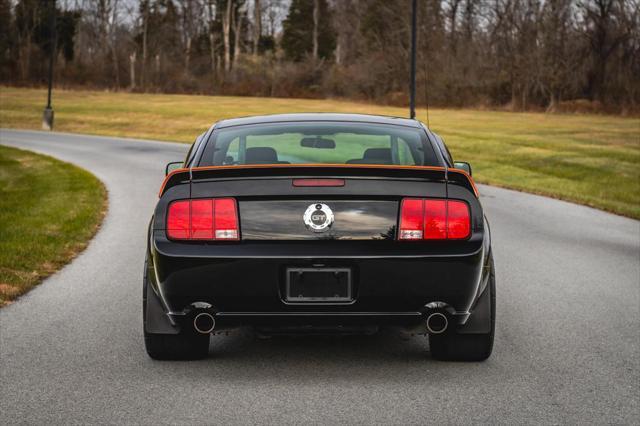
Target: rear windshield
[{"x": 313, "y": 143}]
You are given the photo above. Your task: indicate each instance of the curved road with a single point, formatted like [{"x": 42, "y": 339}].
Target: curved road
[{"x": 567, "y": 346}]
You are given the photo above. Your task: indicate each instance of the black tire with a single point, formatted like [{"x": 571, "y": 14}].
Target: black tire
[
  {"x": 467, "y": 347},
  {"x": 184, "y": 346}
]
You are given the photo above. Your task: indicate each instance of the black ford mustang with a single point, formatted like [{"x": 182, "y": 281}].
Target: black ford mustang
[{"x": 318, "y": 223}]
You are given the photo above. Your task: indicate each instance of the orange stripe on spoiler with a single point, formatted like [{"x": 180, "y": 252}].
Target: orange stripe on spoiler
[
  {"x": 469, "y": 178},
  {"x": 319, "y": 165},
  {"x": 166, "y": 179}
]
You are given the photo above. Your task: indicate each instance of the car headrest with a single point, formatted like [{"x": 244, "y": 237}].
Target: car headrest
[
  {"x": 377, "y": 154},
  {"x": 261, "y": 155}
]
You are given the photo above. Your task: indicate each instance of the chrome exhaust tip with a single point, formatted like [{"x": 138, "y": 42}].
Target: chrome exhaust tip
[
  {"x": 437, "y": 323},
  {"x": 204, "y": 323}
]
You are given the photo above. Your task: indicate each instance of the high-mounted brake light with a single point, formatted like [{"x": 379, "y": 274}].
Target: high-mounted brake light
[
  {"x": 318, "y": 182},
  {"x": 203, "y": 219},
  {"x": 431, "y": 219}
]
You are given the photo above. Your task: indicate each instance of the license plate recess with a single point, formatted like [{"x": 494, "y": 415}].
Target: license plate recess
[{"x": 318, "y": 285}]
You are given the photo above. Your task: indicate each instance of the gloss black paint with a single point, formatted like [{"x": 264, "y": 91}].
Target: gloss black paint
[{"x": 245, "y": 281}]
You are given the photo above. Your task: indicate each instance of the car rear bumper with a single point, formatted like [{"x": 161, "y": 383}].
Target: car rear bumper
[
  {"x": 310, "y": 321},
  {"x": 247, "y": 287}
]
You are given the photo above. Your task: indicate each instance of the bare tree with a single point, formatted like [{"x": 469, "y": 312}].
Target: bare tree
[
  {"x": 226, "y": 30},
  {"x": 132, "y": 71},
  {"x": 212, "y": 37},
  {"x": 626, "y": 67},
  {"x": 522, "y": 53},
  {"x": 237, "y": 19},
  {"x": 26, "y": 17},
  {"x": 316, "y": 20},
  {"x": 107, "y": 17},
  {"x": 558, "y": 59},
  {"x": 113, "y": 40},
  {"x": 513, "y": 36},
  {"x": 145, "y": 31},
  {"x": 275, "y": 13},
  {"x": 347, "y": 21},
  {"x": 603, "y": 29},
  {"x": 451, "y": 12},
  {"x": 257, "y": 26},
  {"x": 191, "y": 13}
]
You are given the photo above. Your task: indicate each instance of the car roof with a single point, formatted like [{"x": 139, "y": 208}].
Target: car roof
[{"x": 317, "y": 116}]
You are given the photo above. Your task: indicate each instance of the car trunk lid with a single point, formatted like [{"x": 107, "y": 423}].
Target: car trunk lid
[{"x": 324, "y": 202}]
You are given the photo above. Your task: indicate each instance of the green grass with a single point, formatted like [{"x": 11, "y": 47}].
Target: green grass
[
  {"x": 49, "y": 211},
  {"x": 589, "y": 159}
]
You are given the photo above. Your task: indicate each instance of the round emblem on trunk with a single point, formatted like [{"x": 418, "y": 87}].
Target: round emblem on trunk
[{"x": 318, "y": 217}]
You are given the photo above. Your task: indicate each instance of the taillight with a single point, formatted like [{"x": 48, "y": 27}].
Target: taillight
[
  {"x": 411, "y": 219},
  {"x": 435, "y": 219},
  {"x": 203, "y": 219},
  {"x": 458, "y": 220},
  {"x": 225, "y": 219},
  {"x": 179, "y": 220},
  {"x": 429, "y": 219}
]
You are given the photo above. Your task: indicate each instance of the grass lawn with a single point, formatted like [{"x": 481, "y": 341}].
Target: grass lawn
[
  {"x": 48, "y": 212},
  {"x": 589, "y": 159}
]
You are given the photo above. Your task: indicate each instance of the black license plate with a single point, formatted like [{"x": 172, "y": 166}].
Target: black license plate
[{"x": 318, "y": 285}]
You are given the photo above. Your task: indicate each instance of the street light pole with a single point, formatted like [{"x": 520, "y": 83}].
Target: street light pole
[
  {"x": 412, "y": 89},
  {"x": 47, "y": 115}
]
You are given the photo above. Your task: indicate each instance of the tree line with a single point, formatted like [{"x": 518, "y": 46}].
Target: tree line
[{"x": 519, "y": 54}]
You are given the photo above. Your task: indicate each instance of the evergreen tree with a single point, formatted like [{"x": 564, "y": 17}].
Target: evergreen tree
[{"x": 297, "y": 37}]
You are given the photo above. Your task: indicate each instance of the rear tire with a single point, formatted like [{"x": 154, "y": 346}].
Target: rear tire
[
  {"x": 183, "y": 346},
  {"x": 467, "y": 347}
]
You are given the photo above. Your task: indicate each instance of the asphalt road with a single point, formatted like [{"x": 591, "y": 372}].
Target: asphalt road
[{"x": 567, "y": 348}]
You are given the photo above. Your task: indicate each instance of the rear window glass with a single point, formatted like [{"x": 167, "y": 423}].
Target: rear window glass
[{"x": 313, "y": 143}]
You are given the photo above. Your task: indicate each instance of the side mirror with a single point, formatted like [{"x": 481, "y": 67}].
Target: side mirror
[
  {"x": 174, "y": 165},
  {"x": 463, "y": 165}
]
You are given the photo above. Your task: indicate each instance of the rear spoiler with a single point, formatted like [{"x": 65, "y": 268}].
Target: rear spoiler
[{"x": 318, "y": 170}]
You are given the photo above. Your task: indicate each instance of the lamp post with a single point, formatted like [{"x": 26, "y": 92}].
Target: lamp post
[
  {"x": 412, "y": 85},
  {"x": 47, "y": 115}
]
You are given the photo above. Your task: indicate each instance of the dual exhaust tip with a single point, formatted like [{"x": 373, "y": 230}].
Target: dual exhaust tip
[
  {"x": 437, "y": 316},
  {"x": 437, "y": 323},
  {"x": 204, "y": 323}
]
